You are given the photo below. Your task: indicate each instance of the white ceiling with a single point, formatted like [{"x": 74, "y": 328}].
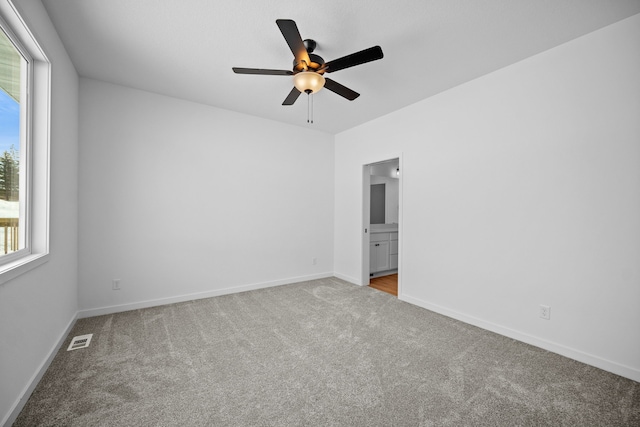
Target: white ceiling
[{"x": 186, "y": 48}]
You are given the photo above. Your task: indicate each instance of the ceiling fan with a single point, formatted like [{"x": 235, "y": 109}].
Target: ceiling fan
[{"x": 309, "y": 69}]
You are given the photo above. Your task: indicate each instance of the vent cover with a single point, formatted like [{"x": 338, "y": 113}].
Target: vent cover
[{"x": 81, "y": 341}]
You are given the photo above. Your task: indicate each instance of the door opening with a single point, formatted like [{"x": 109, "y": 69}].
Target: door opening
[{"x": 382, "y": 228}]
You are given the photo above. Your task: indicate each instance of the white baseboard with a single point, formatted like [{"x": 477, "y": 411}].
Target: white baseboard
[
  {"x": 589, "y": 359},
  {"x": 347, "y": 278},
  {"x": 100, "y": 311},
  {"x": 37, "y": 376},
  {"x": 383, "y": 273}
]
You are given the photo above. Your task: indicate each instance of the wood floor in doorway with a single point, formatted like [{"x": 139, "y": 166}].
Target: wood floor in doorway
[{"x": 388, "y": 284}]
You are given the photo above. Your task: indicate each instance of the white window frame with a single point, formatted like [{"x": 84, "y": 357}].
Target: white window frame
[{"x": 35, "y": 172}]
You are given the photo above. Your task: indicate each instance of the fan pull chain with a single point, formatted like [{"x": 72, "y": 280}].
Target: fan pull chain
[{"x": 310, "y": 107}]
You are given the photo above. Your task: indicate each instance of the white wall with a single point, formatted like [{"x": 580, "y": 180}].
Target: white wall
[
  {"x": 37, "y": 307},
  {"x": 519, "y": 188},
  {"x": 178, "y": 198}
]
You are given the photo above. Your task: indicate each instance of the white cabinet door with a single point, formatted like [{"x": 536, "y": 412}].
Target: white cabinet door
[
  {"x": 373, "y": 257},
  {"x": 393, "y": 261},
  {"x": 393, "y": 252},
  {"x": 378, "y": 256}
]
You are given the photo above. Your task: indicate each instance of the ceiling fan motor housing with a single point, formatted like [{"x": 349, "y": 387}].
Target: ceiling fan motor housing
[{"x": 316, "y": 60}]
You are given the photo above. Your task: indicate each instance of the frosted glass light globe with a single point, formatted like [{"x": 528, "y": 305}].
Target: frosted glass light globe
[{"x": 308, "y": 82}]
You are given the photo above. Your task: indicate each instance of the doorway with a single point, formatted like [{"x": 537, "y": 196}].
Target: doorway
[
  {"x": 388, "y": 284},
  {"x": 381, "y": 241}
]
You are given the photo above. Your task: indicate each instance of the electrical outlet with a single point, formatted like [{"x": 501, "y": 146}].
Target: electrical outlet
[
  {"x": 116, "y": 284},
  {"x": 545, "y": 312},
  {"x": 314, "y": 261}
]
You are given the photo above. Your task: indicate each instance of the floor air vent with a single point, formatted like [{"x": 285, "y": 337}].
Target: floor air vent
[{"x": 81, "y": 341}]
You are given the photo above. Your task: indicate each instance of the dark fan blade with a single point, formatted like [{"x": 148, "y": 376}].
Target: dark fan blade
[
  {"x": 289, "y": 30},
  {"x": 362, "y": 57},
  {"x": 344, "y": 91},
  {"x": 262, "y": 71},
  {"x": 291, "y": 98}
]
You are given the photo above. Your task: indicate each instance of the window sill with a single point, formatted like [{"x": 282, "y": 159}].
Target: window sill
[{"x": 14, "y": 269}]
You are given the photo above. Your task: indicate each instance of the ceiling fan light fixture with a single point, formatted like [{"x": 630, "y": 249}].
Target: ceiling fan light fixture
[{"x": 308, "y": 81}]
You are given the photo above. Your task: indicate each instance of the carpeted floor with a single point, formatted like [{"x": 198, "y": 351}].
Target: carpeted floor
[{"x": 319, "y": 353}]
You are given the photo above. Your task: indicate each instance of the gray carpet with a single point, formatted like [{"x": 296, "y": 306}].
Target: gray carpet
[{"x": 317, "y": 353}]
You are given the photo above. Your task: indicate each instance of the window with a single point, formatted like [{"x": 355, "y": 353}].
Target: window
[
  {"x": 13, "y": 119},
  {"x": 24, "y": 147}
]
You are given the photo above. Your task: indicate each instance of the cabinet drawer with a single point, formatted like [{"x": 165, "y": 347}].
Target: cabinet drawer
[
  {"x": 393, "y": 249},
  {"x": 379, "y": 237}
]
